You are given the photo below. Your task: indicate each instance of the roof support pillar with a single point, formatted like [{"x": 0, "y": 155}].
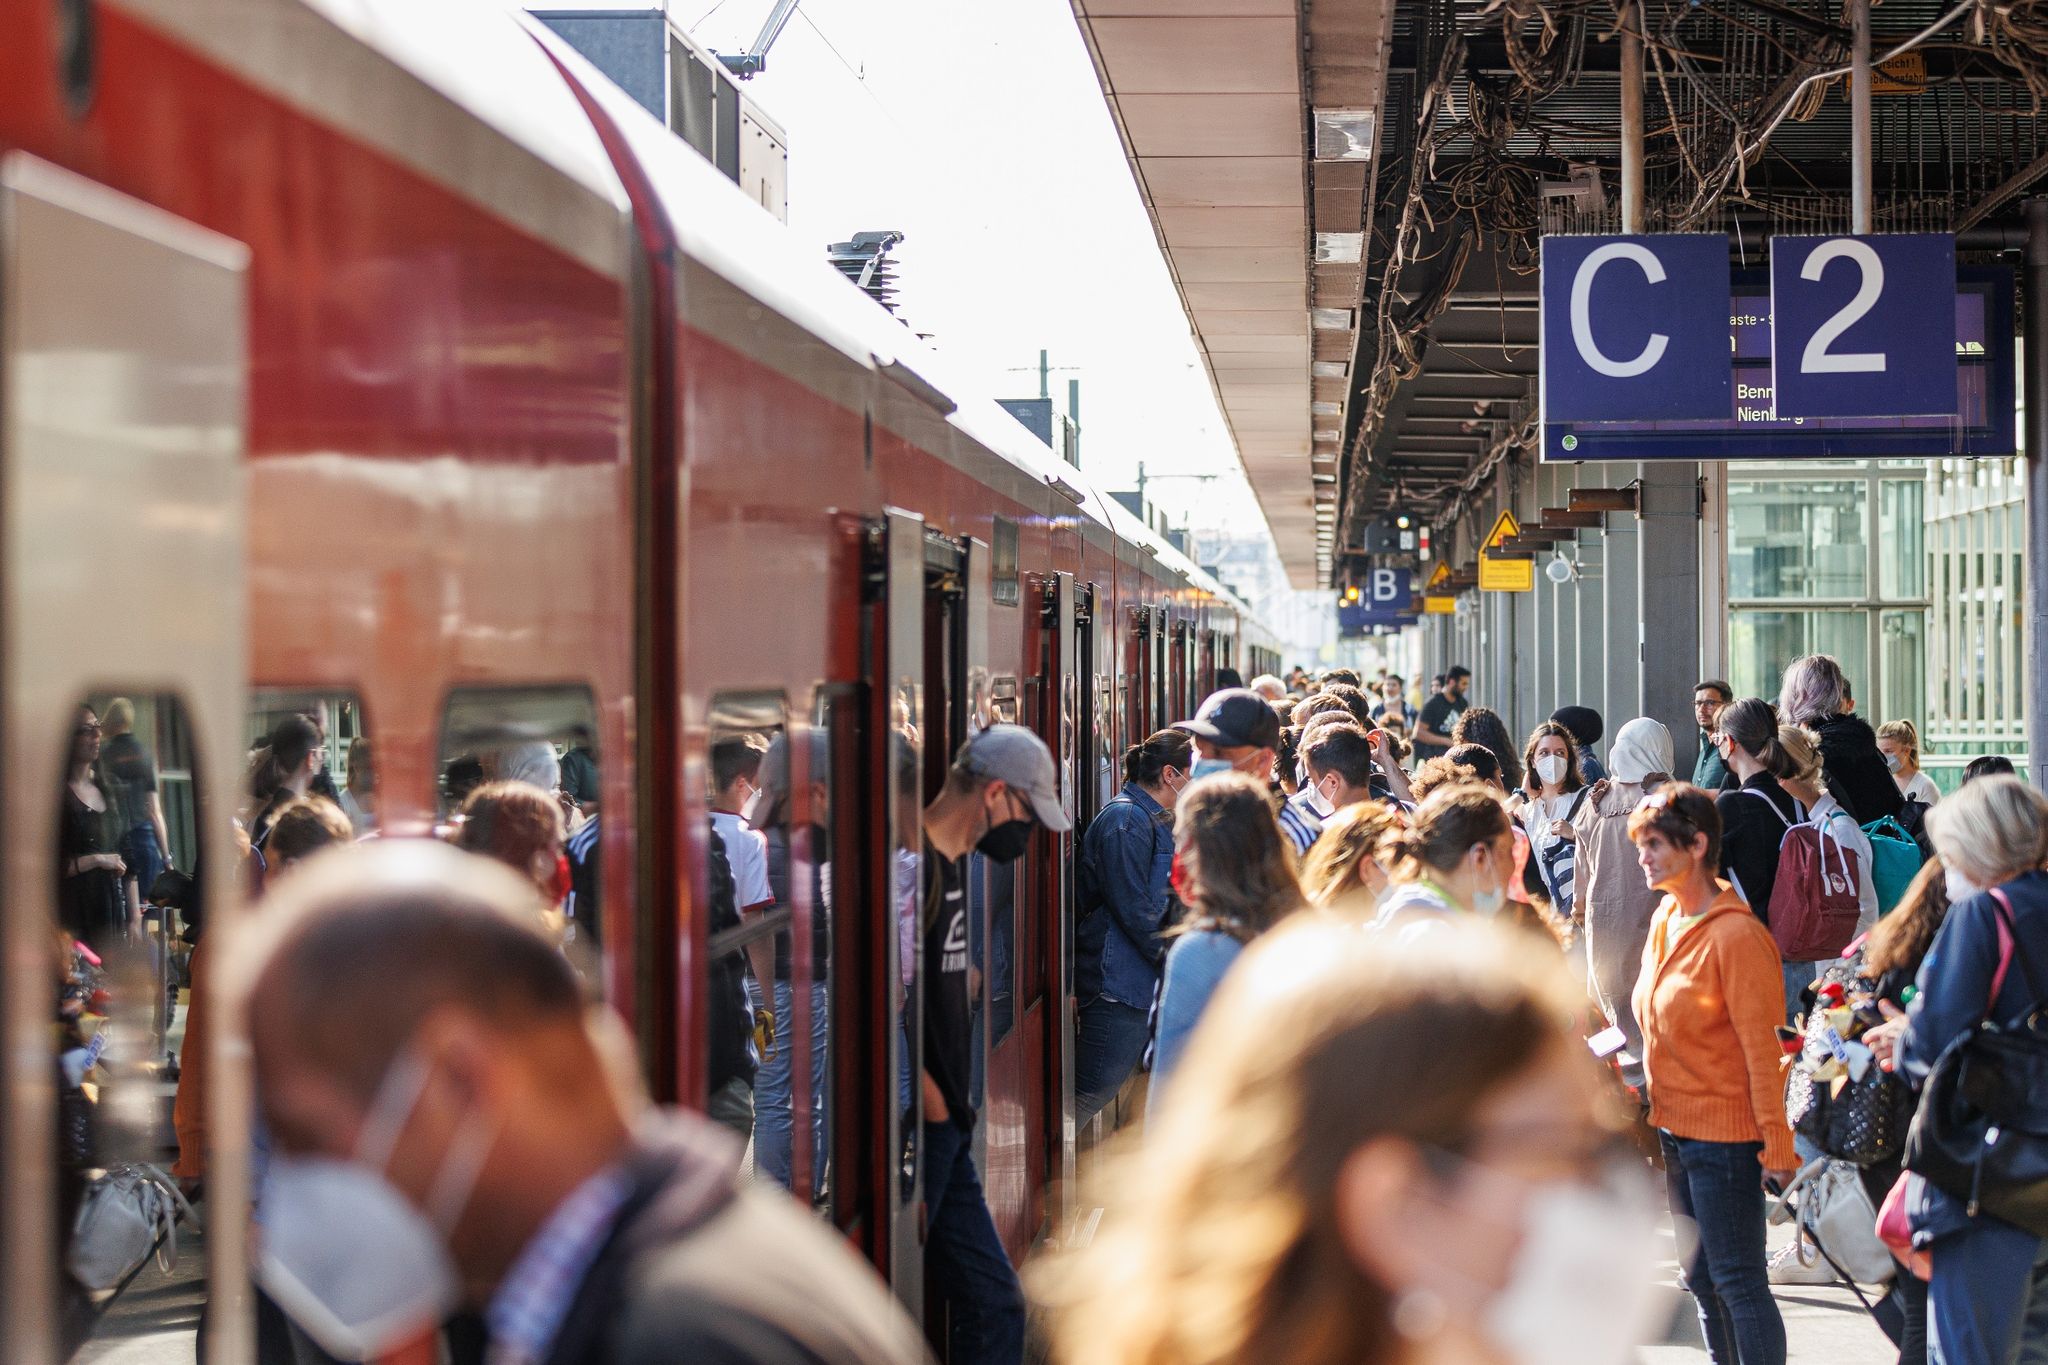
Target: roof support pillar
[
  {"x": 1859, "y": 116},
  {"x": 2034, "y": 441},
  {"x": 1632, "y": 118}
]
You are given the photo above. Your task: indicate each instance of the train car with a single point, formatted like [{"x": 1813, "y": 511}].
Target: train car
[{"x": 381, "y": 362}]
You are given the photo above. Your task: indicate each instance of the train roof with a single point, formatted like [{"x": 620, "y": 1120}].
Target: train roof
[{"x": 715, "y": 225}]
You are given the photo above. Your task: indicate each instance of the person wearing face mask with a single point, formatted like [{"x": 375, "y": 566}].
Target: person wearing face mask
[
  {"x": 1613, "y": 900},
  {"x": 1899, "y": 742},
  {"x": 1124, "y": 903},
  {"x": 1232, "y": 872},
  {"x": 455, "y": 1131},
  {"x": 1342, "y": 872},
  {"x": 1585, "y": 727},
  {"x": 1338, "y": 761},
  {"x": 1709, "y": 1001},
  {"x": 1234, "y": 729},
  {"x": 1987, "y": 1299},
  {"x": 1456, "y": 855},
  {"x": 1378, "y": 1153},
  {"x": 1003, "y": 785},
  {"x": 1552, "y": 794}
]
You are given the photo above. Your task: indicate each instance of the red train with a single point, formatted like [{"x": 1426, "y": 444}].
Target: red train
[{"x": 377, "y": 357}]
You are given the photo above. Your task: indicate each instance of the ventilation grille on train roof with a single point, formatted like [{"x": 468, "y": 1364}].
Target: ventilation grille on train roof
[{"x": 865, "y": 261}]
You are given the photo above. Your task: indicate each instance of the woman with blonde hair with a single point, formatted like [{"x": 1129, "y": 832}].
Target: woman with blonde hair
[
  {"x": 1988, "y": 961},
  {"x": 1234, "y": 873},
  {"x": 1341, "y": 871},
  {"x": 1899, "y": 742},
  {"x": 1381, "y": 1152}
]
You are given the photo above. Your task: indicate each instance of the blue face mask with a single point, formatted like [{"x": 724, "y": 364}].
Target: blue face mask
[{"x": 1209, "y": 767}]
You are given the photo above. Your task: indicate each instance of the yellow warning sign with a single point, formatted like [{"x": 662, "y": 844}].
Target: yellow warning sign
[
  {"x": 1505, "y": 575},
  {"x": 1437, "y": 600}
]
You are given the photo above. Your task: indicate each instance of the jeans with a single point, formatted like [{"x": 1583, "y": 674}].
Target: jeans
[
  {"x": 964, "y": 1261},
  {"x": 1718, "y": 1186},
  {"x": 1798, "y": 976},
  {"x": 144, "y": 859},
  {"x": 1988, "y": 1301},
  {"x": 774, "y": 1114},
  {"x": 1110, "y": 1037}
]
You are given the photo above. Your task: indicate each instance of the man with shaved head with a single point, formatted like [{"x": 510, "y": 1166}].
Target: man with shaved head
[{"x": 454, "y": 1131}]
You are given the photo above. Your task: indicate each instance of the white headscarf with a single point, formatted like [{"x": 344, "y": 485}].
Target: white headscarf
[
  {"x": 1643, "y": 747},
  {"x": 533, "y": 762}
]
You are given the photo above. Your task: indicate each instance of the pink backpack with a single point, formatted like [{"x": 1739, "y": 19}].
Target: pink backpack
[{"x": 1816, "y": 900}]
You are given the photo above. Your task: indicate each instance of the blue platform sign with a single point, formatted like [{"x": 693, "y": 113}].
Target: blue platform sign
[
  {"x": 1635, "y": 328},
  {"x": 1386, "y": 598},
  {"x": 1864, "y": 326}
]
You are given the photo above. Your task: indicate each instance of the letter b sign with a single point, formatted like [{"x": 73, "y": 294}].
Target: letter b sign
[{"x": 1635, "y": 329}]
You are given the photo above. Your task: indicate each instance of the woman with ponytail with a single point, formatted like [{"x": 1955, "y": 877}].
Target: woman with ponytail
[
  {"x": 1756, "y": 814},
  {"x": 1125, "y": 902}
]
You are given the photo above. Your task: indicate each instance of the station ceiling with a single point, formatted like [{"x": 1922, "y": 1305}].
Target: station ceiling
[{"x": 1497, "y": 121}]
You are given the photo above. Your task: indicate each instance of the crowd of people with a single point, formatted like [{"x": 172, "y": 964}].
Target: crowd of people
[
  {"x": 1405, "y": 1017},
  {"x": 1745, "y": 981}
]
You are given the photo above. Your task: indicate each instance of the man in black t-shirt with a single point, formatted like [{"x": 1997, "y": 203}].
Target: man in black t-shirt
[
  {"x": 1002, "y": 786},
  {"x": 1440, "y": 713}
]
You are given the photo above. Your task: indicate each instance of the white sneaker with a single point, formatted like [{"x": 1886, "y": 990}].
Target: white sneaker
[{"x": 1788, "y": 1266}]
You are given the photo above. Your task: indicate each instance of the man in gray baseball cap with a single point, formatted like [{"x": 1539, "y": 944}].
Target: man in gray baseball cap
[{"x": 1002, "y": 785}]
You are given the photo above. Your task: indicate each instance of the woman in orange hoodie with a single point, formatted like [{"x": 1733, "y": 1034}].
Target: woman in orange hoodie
[{"x": 1709, "y": 999}]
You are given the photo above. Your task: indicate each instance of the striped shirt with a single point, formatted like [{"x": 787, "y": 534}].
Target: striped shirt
[{"x": 1300, "y": 821}]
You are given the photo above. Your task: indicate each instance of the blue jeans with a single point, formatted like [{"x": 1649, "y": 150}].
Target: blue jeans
[
  {"x": 1988, "y": 1301},
  {"x": 1110, "y": 1037},
  {"x": 1798, "y": 976},
  {"x": 964, "y": 1261},
  {"x": 774, "y": 1113},
  {"x": 1718, "y": 1186},
  {"x": 145, "y": 861}
]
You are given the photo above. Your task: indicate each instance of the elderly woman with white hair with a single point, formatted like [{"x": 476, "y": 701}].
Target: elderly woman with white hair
[
  {"x": 1815, "y": 694},
  {"x": 1614, "y": 900},
  {"x": 1988, "y": 1297}
]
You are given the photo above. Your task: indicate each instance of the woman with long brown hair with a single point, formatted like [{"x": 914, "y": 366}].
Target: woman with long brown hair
[
  {"x": 1380, "y": 1152},
  {"x": 1233, "y": 872},
  {"x": 1342, "y": 870}
]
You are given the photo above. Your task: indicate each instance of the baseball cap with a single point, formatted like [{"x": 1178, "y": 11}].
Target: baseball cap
[
  {"x": 1019, "y": 759},
  {"x": 1236, "y": 718}
]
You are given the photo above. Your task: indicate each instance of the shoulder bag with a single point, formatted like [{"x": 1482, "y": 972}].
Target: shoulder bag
[
  {"x": 1981, "y": 1132},
  {"x": 127, "y": 1215}
]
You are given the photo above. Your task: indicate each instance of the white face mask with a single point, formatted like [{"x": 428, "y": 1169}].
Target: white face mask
[
  {"x": 1324, "y": 806},
  {"x": 348, "y": 1256},
  {"x": 1489, "y": 903},
  {"x": 1894, "y": 762},
  {"x": 1577, "y": 1294},
  {"x": 1550, "y": 769},
  {"x": 1960, "y": 887}
]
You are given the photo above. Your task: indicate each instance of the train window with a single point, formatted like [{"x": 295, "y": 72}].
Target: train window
[
  {"x": 513, "y": 764},
  {"x": 1003, "y": 563},
  {"x": 757, "y": 984},
  {"x": 328, "y": 727},
  {"x": 121, "y": 952}
]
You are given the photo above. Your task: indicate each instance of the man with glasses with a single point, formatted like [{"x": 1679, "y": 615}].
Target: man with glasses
[{"x": 1709, "y": 772}]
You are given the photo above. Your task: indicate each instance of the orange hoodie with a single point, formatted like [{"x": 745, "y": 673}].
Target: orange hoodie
[{"x": 1710, "y": 999}]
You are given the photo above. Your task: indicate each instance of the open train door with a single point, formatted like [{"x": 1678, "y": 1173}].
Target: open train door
[{"x": 123, "y": 358}]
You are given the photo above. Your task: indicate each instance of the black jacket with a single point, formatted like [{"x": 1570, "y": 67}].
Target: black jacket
[
  {"x": 1750, "y": 835},
  {"x": 1855, "y": 770},
  {"x": 709, "y": 1268}
]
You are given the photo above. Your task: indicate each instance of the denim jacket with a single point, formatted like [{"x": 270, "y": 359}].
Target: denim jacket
[
  {"x": 1127, "y": 867},
  {"x": 1953, "y": 997}
]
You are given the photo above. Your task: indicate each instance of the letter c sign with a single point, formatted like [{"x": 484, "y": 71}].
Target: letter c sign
[{"x": 1635, "y": 329}]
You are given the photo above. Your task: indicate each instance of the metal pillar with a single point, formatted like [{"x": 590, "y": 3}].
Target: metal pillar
[
  {"x": 2034, "y": 441},
  {"x": 1632, "y": 120},
  {"x": 1859, "y": 116}
]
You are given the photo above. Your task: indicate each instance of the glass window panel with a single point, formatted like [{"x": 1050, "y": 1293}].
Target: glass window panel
[
  {"x": 1762, "y": 642},
  {"x": 1797, "y": 539},
  {"x": 1901, "y": 532},
  {"x": 1903, "y": 654}
]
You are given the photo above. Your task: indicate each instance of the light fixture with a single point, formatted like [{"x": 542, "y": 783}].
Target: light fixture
[
  {"x": 1343, "y": 134},
  {"x": 1328, "y": 369},
  {"x": 1329, "y": 435},
  {"x": 1330, "y": 319},
  {"x": 1559, "y": 569},
  {"x": 1323, "y": 407},
  {"x": 1322, "y": 478},
  {"x": 1339, "y": 248}
]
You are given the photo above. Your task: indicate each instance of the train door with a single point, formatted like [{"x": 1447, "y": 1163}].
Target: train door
[
  {"x": 1060, "y": 729},
  {"x": 123, "y": 360},
  {"x": 1137, "y": 651}
]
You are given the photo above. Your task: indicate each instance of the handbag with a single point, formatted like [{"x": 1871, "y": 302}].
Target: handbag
[
  {"x": 1835, "y": 1216},
  {"x": 127, "y": 1214},
  {"x": 1895, "y": 1228},
  {"x": 1981, "y": 1132},
  {"x": 1860, "y": 1120},
  {"x": 1894, "y": 861},
  {"x": 1560, "y": 862}
]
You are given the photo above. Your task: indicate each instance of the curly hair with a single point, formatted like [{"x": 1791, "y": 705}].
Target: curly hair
[
  {"x": 1482, "y": 726},
  {"x": 1333, "y": 872}
]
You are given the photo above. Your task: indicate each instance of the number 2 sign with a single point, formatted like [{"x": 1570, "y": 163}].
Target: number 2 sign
[{"x": 1864, "y": 326}]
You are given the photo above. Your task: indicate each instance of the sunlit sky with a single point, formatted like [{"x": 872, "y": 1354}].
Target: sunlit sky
[{"x": 979, "y": 131}]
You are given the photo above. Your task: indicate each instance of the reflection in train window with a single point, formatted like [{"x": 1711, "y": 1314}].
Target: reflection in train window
[
  {"x": 306, "y": 743},
  {"x": 509, "y": 757},
  {"x": 120, "y": 953}
]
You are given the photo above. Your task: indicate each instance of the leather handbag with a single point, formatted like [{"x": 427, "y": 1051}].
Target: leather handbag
[{"x": 1981, "y": 1132}]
